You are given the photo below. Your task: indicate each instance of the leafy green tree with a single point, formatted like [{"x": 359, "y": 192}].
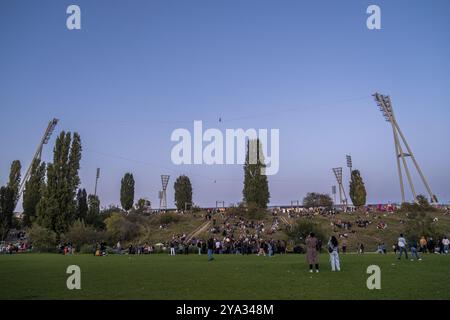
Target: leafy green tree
[
  {"x": 42, "y": 239},
  {"x": 82, "y": 205},
  {"x": 300, "y": 231},
  {"x": 316, "y": 200},
  {"x": 7, "y": 196},
  {"x": 80, "y": 234},
  {"x": 94, "y": 216},
  {"x": 183, "y": 192},
  {"x": 357, "y": 189},
  {"x": 14, "y": 180},
  {"x": 57, "y": 209},
  {"x": 256, "y": 185},
  {"x": 33, "y": 192},
  {"x": 127, "y": 192},
  {"x": 423, "y": 201}
]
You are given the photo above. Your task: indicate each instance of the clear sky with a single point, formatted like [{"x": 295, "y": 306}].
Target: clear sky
[{"x": 137, "y": 70}]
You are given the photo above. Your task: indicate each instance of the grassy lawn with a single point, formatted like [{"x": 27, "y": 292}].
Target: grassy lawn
[{"x": 43, "y": 276}]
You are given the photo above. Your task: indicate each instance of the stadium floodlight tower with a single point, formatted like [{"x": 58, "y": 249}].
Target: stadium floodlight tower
[
  {"x": 342, "y": 195},
  {"x": 162, "y": 193},
  {"x": 37, "y": 156},
  {"x": 385, "y": 105},
  {"x": 349, "y": 164}
]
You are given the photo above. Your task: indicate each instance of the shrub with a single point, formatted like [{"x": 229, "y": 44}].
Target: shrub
[
  {"x": 168, "y": 218},
  {"x": 87, "y": 248},
  {"x": 42, "y": 239},
  {"x": 120, "y": 228},
  {"x": 302, "y": 229},
  {"x": 80, "y": 234}
]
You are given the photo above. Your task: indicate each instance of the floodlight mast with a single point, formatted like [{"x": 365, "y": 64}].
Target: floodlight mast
[
  {"x": 38, "y": 154},
  {"x": 342, "y": 196},
  {"x": 162, "y": 193},
  {"x": 385, "y": 105}
]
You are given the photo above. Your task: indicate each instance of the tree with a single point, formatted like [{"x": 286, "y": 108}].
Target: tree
[
  {"x": 14, "y": 180},
  {"x": 42, "y": 239},
  {"x": 300, "y": 231},
  {"x": 183, "y": 192},
  {"x": 256, "y": 185},
  {"x": 33, "y": 192},
  {"x": 142, "y": 206},
  {"x": 316, "y": 200},
  {"x": 357, "y": 189},
  {"x": 7, "y": 196},
  {"x": 82, "y": 205},
  {"x": 57, "y": 209},
  {"x": 423, "y": 201},
  {"x": 94, "y": 217},
  {"x": 127, "y": 192}
]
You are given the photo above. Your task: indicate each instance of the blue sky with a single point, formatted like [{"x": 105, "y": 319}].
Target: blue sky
[{"x": 137, "y": 70}]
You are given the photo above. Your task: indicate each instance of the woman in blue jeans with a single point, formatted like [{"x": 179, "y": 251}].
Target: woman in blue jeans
[{"x": 333, "y": 249}]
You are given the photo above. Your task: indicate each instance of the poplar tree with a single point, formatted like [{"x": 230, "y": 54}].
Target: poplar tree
[
  {"x": 357, "y": 189},
  {"x": 183, "y": 192},
  {"x": 33, "y": 192},
  {"x": 14, "y": 180},
  {"x": 256, "y": 185},
  {"x": 127, "y": 191},
  {"x": 82, "y": 205},
  {"x": 57, "y": 209}
]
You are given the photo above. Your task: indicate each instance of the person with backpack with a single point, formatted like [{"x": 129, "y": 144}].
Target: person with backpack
[{"x": 333, "y": 249}]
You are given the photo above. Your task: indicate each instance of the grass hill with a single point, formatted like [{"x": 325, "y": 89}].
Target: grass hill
[{"x": 372, "y": 228}]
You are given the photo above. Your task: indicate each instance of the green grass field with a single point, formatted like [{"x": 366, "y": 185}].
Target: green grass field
[{"x": 43, "y": 276}]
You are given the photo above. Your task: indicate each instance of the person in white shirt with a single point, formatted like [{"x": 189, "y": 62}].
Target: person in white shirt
[
  {"x": 402, "y": 247},
  {"x": 446, "y": 243}
]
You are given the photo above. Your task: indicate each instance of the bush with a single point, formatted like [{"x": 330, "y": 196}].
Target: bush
[
  {"x": 168, "y": 218},
  {"x": 42, "y": 239},
  {"x": 87, "y": 248},
  {"x": 302, "y": 229},
  {"x": 119, "y": 227},
  {"x": 80, "y": 234}
]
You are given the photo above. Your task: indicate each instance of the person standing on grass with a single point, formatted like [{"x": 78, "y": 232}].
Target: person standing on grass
[
  {"x": 312, "y": 255},
  {"x": 446, "y": 243},
  {"x": 333, "y": 249},
  {"x": 211, "y": 243},
  {"x": 423, "y": 244},
  {"x": 344, "y": 246},
  {"x": 402, "y": 247},
  {"x": 172, "y": 248},
  {"x": 413, "y": 248},
  {"x": 199, "y": 247}
]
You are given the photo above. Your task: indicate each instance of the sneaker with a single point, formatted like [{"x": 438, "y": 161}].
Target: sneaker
[
  {"x": 317, "y": 271},
  {"x": 420, "y": 259},
  {"x": 310, "y": 271}
]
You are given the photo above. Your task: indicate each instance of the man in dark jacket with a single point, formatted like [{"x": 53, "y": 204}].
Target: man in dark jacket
[{"x": 211, "y": 243}]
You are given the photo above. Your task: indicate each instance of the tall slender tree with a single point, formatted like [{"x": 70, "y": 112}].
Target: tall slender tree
[
  {"x": 183, "y": 193},
  {"x": 33, "y": 192},
  {"x": 14, "y": 179},
  {"x": 57, "y": 208},
  {"x": 256, "y": 185},
  {"x": 127, "y": 191},
  {"x": 82, "y": 205},
  {"x": 6, "y": 211},
  {"x": 357, "y": 189}
]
